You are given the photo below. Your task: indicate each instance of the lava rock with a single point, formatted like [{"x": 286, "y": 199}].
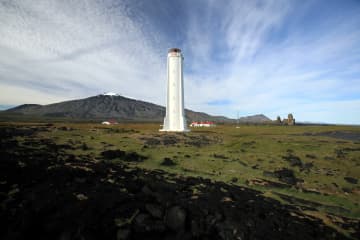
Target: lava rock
[
  {"x": 329, "y": 158},
  {"x": 111, "y": 154},
  {"x": 130, "y": 157},
  {"x": 147, "y": 191},
  {"x": 220, "y": 156},
  {"x": 175, "y": 218},
  {"x": 85, "y": 147},
  {"x": 269, "y": 174},
  {"x": 310, "y": 156},
  {"x": 287, "y": 176},
  {"x": 64, "y": 128},
  {"x": 142, "y": 223},
  {"x": 134, "y": 157},
  {"x": 155, "y": 210},
  {"x": 168, "y": 162},
  {"x": 256, "y": 166},
  {"x": 152, "y": 141},
  {"x": 81, "y": 197},
  {"x": 293, "y": 160},
  {"x": 340, "y": 153},
  {"x": 351, "y": 180},
  {"x": 170, "y": 140},
  {"x": 306, "y": 167},
  {"x": 123, "y": 234}
]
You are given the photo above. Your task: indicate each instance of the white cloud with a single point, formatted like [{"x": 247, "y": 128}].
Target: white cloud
[{"x": 21, "y": 95}]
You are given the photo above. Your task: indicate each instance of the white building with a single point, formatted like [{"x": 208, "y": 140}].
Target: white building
[
  {"x": 110, "y": 122},
  {"x": 203, "y": 124},
  {"x": 174, "y": 120}
]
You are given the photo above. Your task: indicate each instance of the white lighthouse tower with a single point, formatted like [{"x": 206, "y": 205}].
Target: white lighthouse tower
[{"x": 174, "y": 120}]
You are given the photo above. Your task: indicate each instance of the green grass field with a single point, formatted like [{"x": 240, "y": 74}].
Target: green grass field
[{"x": 240, "y": 155}]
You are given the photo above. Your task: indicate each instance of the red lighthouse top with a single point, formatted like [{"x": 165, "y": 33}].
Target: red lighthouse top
[{"x": 177, "y": 50}]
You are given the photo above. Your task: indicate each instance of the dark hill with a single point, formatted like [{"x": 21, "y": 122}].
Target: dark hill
[
  {"x": 103, "y": 107},
  {"x": 259, "y": 118}
]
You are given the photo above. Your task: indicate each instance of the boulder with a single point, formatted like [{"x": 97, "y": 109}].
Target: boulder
[
  {"x": 155, "y": 210},
  {"x": 175, "y": 218}
]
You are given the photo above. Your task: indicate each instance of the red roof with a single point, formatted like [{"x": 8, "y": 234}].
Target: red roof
[
  {"x": 112, "y": 121},
  {"x": 174, "y": 50}
]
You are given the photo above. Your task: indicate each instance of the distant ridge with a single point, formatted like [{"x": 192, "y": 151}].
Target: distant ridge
[
  {"x": 259, "y": 118},
  {"x": 105, "y": 106}
]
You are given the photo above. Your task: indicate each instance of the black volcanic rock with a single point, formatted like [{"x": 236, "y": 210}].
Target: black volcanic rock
[
  {"x": 103, "y": 107},
  {"x": 168, "y": 162},
  {"x": 287, "y": 176},
  {"x": 293, "y": 160},
  {"x": 351, "y": 180},
  {"x": 175, "y": 218},
  {"x": 127, "y": 156}
]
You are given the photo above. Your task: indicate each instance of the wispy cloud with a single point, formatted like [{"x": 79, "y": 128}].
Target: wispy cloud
[
  {"x": 71, "y": 49},
  {"x": 286, "y": 74},
  {"x": 220, "y": 102}
]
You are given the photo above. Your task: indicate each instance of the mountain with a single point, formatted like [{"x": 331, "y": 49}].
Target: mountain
[
  {"x": 105, "y": 106},
  {"x": 259, "y": 118}
]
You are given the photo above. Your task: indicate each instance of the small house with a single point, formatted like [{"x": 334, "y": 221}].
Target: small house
[
  {"x": 202, "y": 124},
  {"x": 110, "y": 122}
]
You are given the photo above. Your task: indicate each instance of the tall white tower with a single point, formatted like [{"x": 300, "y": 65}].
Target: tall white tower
[{"x": 174, "y": 120}]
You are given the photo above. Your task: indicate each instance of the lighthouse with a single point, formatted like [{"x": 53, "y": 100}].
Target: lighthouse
[{"x": 175, "y": 120}]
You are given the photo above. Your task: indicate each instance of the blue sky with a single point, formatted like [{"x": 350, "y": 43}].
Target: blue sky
[{"x": 271, "y": 57}]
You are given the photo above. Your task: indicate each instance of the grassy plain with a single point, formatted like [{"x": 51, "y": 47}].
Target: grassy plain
[{"x": 242, "y": 156}]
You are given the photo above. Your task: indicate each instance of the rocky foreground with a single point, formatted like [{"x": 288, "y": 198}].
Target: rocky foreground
[{"x": 46, "y": 193}]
